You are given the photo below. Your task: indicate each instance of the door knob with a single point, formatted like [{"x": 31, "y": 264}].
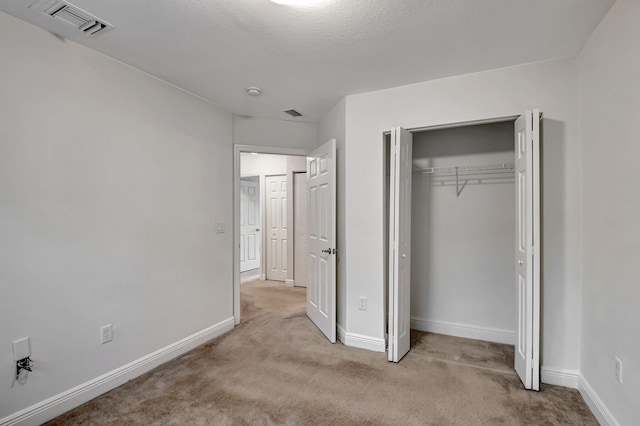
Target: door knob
[
  {"x": 328, "y": 251},
  {"x": 520, "y": 262},
  {"x": 404, "y": 255},
  {"x": 257, "y": 229}
]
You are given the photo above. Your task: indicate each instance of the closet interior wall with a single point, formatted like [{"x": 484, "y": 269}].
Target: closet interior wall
[{"x": 463, "y": 234}]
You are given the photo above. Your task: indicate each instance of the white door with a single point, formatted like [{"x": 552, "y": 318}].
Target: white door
[
  {"x": 321, "y": 288},
  {"x": 400, "y": 244},
  {"x": 300, "y": 230},
  {"x": 527, "y": 170},
  {"x": 250, "y": 235},
  {"x": 277, "y": 233}
]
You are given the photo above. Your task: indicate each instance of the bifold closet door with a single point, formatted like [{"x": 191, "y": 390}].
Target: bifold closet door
[
  {"x": 321, "y": 287},
  {"x": 400, "y": 244},
  {"x": 527, "y": 171}
]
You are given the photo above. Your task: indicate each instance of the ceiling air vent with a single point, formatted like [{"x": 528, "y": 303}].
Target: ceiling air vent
[
  {"x": 73, "y": 15},
  {"x": 293, "y": 113}
]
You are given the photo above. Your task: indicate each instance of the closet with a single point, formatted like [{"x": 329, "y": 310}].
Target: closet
[
  {"x": 462, "y": 217},
  {"x": 463, "y": 232}
]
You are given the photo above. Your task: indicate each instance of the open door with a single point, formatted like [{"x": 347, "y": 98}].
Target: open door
[
  {"x": 400, "y": 244},
  {"x": 321, "y": 288},
  {"x": 527, "y": 170}
]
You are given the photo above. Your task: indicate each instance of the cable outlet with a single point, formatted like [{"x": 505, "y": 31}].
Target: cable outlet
[
  {"x": 362, "y": 303},
  {"x": 618, "y": 369},
  {"x": 106, "y": 334}
]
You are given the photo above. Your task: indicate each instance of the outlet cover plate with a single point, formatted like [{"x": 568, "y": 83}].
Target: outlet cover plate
[
  {"x": 106, "y": 333},
  {"x": 21, "y": 348},
  {"x": 618, "y": 369},
  {"x": 362, "y": 303}
]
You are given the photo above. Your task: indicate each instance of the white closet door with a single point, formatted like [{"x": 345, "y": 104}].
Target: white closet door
[
  {"x": 250, "y": 239},
  {"x": 321, "y": 289},
  {"x": 301, "y": 232},
  {"x": 527, "y": 170},
  {"x": 400, "y": 244},
  {"x": 277, "y": 232}
]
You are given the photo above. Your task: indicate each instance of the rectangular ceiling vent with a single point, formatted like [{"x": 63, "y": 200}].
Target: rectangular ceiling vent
[
  {"x": 73, "y": 15},
  {"x": 293, "y": 113}
]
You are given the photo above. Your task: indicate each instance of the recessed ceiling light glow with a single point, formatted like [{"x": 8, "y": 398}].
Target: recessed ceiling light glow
[{"x": 301, "y": 3}]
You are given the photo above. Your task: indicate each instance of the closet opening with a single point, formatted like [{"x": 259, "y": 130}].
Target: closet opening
[{"x": 459, "y": 205}]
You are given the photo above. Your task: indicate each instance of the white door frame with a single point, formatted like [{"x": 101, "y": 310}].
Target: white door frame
[
  {"x": 296, "y": 228},
  {"x": 511, "y": 118},
  {"x": 237, "y": 150}
]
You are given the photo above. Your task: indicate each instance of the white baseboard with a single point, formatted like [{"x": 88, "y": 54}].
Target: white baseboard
[
  {"x": 65, "y": 401},
  {"x": 560, "y": 377},
  {"x": 289, "y": 283},
  {"x": 246, "y": 279},
  {"x": 364, "y": 342},
  {"x": 596, "y": 405},
  {"x": 463, "y": 330},
  {"x": 341, "y": 333},
  {"x": 263, "y": 277}
]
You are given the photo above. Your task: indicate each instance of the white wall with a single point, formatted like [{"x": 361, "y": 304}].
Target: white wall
[
  {"x": 274, "y": 133},
  {"x": 462, "y": 247},
  {"x": 609, "y": 67},
  {"x": 269, "y": 165},
  {"x": 266, "y": 164},
  {"x": 111, "y": 182},
  {"x": 332, "y": 126},
  {"x": 552, "y": 86}
]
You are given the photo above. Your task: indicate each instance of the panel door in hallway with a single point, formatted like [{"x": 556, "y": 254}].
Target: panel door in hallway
[
  {"x": 276, "y": 232},
  {"x": 250, "y": 234}
]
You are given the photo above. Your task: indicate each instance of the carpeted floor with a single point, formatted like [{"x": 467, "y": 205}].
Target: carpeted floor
[{"x": 277, "y": 368}]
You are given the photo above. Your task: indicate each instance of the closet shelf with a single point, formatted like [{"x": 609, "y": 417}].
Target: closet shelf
[{"x": 468, "y": 169}]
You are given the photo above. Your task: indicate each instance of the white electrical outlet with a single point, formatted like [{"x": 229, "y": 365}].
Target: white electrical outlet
[
  {"x": 618, "y": 369},
  {"x": 106, "y": 334},
  {"x": 21, "y": 348},
  {"x": 362, "y": 303}
]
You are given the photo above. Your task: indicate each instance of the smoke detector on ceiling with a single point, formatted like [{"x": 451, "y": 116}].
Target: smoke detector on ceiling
[
  {"x": 85, "y": 22},
  {"x": 254, "y": 91}
]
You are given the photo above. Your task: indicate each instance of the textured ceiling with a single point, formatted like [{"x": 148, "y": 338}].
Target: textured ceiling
[{"x": 307, "y": 58}]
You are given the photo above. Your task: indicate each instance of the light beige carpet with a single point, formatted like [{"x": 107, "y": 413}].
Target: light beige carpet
[{"x": 277, "y": 368}]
